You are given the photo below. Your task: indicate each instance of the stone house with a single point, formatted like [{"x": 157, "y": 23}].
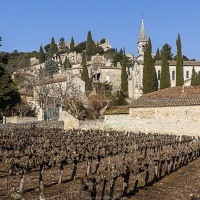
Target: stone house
[
  {"x": 106, "y": 45},
  {"x": 34, "y": 61},
  {"x": 174, "y": 110},
  {"x": 111, "y": 75},
  {"x": 51, "y": 92}
]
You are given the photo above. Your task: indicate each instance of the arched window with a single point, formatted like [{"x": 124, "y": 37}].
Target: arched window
[
  {"x": 143, "y": 47},
  {"x": 173, "y": 75},
  {"x": 158, "y": 74},
  {"x": 187, "y": 74}
]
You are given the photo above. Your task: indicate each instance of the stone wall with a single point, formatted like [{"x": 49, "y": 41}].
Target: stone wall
[
  {"x": 112, "y": 75},
  {"x": 17, "y": 119},
  {"x": 70, "y": 122},
  {"x": 38, "y": 124},
  {"x": 176, "y": 120},
  {"x": 171, "y": 120}
]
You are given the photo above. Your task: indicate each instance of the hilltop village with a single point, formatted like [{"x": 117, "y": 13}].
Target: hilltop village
[
  {"x": 97, "y": 123},
  {"x": 89, "y": 85}
]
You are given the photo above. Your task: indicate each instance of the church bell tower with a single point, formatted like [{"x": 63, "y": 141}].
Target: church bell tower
[{"x": 142, "y": 41}]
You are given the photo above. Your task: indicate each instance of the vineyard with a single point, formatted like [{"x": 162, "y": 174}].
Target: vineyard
[{"x": 44, "y": 163}]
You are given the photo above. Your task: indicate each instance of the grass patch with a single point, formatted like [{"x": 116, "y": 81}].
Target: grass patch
[{"x": 114, "y": 110}]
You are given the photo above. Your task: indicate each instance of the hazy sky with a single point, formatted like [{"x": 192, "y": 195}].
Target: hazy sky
[{"x": 26, "y": 24}]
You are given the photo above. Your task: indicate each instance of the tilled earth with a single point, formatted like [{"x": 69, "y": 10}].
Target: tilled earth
[
  {"x": 178, "y": 185},
  {"x": 182, "y": 184}
]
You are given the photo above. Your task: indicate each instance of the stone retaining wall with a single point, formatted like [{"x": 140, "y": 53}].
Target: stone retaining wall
[
  {"x": 38, "y": 124},
  {"x": 171, "y": 120}
]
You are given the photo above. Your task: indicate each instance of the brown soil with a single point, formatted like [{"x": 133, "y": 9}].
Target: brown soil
[{"x": 179, "y": 185}]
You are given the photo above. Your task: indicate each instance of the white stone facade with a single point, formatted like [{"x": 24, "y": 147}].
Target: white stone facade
[
  {"x": 180, "y": 120},
  {"x": 136, "y": 74},
  {"x": 111, "y": 75},
  {"x": 106, "y": 45},
  {"x": 34, "y": 61}
]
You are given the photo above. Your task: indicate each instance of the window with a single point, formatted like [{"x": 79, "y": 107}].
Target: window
[
  {"x": 173, "y": 75},
  {"x": 143, "y": 47},
  {"x": 187, "y": 74},
  {"x": 158, "y": 74}
]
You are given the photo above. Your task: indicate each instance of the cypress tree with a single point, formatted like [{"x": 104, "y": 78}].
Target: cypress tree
[
  {"x": 157, "y": 56},
  {"x": 165, "y": 77},
  {"x": 67, "y": 64},
  {"x": 41, "y": 55},
  {"x": 53, "y": 48},
  {"x": 195, "y": 79},
  {"x": 124, "y": 80},
  {"x": 149, "y": 71},
  {"x": 72, "y": 44},
  {"x": 179, "y": 63},
  {"x": 84, "y": 74},
  {"x": 89, "y": 44}
]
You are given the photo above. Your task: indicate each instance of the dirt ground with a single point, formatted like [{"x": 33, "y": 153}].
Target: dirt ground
[{"x": 178, "y": 185}]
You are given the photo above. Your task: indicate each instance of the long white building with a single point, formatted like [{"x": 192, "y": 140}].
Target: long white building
[{"x": 136, "y": 73}]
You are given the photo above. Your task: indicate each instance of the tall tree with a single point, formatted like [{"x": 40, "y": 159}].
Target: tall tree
[
  {"x": 53, "y": 48},
  {"x": 195, "y": 79},
  {"x": 149, "y": 72},
  {"x": 72, "y": 44},
  {"x": 157, "y": 56},
  {"x": 47, "y": 48},
  {"x": 168, "y": 51},
  {"x": 61, "y": 44},
  {"x": 124, "y": 78},
  {"x": 84, "y": 74},
  {"x": 165, "y": 77},
  {"x": 89, "y": 44},
  {"x": 67, "y": 64},
  {"x": 9, "y": 95},
  {"x": 41, "y": 55},
  {"x": 51, "y": 67},
  {"x": 179, "y": 63}
]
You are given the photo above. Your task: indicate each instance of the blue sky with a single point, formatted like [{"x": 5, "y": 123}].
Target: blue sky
[{"x": 26, "y": 24}]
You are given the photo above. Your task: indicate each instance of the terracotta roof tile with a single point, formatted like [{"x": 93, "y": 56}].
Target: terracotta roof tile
[
  {"x": 174, "y": 92},
  {"x": 174, "y": 96}
]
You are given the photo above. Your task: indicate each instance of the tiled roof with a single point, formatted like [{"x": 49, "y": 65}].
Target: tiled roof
[
  {"x": 148, "y": 103},
  {"x": 185, "y": 63},
  {"x": 174, "y": 92},
  {"x": 174, "y": 96},
  {"x": 57, "y": 80}
]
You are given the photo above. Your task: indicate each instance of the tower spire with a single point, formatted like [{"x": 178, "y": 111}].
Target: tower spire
[{"x": 142, "y": 37}]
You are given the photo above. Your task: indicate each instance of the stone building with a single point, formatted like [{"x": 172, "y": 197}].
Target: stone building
[
  {"x": 106, "y": 45},
  {"x": 174, "y": 110},
  {"x": 111, "y": 75},
  {"x": 34, "y": 61},
  {"x": 74, "y": 57},
  {"x": 136, "y": 73}
]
